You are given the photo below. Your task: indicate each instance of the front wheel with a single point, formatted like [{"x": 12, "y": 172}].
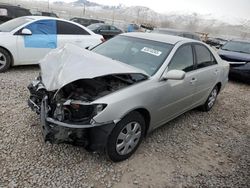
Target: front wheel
[
  {"x": 126, "y": 137},
  {"x": 5, "y": 60},
  {"x": 210, "y": 100}
]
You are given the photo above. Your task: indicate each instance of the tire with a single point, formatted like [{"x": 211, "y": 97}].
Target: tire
[
  {"x": 126, "y": 137},
  {"x": 208, "y": 105},
  {"x": 5, "y": 60}
]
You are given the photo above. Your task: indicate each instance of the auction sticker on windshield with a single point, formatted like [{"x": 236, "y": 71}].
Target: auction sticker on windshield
[{"x": 151, "y": 51}]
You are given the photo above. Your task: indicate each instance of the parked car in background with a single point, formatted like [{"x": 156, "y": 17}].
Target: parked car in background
[
  {"x": 107, "y": 31},
  {"x": 26, "y": 40},
  {"x": 176, "y": 32},
  {"x": 237, "y": 54},
  {"x": 133, "y": 28},
  {"x": 41, "y": 13},
  {"x": 8, "y": 12},
  {"x": 109, "y": 98},
  {"x": 85, "y": 21}
]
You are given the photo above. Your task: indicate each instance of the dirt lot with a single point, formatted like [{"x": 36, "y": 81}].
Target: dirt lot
[{"x": 196, "y": 150}]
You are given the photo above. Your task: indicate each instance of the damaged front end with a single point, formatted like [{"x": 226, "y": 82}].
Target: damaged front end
[{"x": 67, "y": 114}]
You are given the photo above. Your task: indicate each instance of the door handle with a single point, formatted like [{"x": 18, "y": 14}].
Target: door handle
[
  {"x": 78, "y": 41},
  {"x": 193, "y": 80}
]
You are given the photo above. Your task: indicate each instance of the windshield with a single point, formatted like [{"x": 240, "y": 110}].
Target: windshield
[
  {"x": 144, "y": 54},
  {"x": 13, "y": 24},
  {"x": 237, "y": 46}
]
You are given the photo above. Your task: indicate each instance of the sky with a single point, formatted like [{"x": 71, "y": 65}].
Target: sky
[{"x": 229, "y": 9}]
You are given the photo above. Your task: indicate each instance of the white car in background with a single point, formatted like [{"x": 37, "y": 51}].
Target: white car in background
[{"x": 26, "y": 40}]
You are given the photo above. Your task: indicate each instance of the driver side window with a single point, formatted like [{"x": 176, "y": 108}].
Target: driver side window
[{"x": 183, "y": 59}]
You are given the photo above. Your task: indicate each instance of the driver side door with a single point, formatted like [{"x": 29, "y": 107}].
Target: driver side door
[{"x": 176, "y": 96}]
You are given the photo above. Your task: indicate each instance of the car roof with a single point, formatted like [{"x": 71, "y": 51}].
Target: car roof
[
  {"x": 48, "y": 18},
  {"x": 175, "y": 30},
  {"x": 170, "y": 39},
  {"x": 43, "y": 17}
]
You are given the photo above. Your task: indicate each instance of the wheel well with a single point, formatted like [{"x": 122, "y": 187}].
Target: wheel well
[
  {"x": 146, "y": 115},
  {"x": 219, "y": 86},
  {"x": 12, "y": 59}
]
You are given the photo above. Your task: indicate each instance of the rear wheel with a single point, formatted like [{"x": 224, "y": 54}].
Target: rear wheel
[
  {"x": 210, "y": 100},
  {"x": 5, "y": 60},
  {"x": 126, "y": 137}
]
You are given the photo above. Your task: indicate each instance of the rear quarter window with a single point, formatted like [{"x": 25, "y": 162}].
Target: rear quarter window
[
  {"x": 204, "y": 57},
  {"x": 65, "y": 28}
]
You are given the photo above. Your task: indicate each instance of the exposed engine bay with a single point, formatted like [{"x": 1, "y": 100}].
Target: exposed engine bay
[
  {"x": 70, "y": 107},
  {"x": 72, "y": 103}
]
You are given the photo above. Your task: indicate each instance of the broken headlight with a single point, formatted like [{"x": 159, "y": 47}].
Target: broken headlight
[{"x": 77, "y": 111}]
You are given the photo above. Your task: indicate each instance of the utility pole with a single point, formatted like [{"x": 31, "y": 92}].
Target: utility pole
[
  {"x": 48, "y": 5},
  {"x": 113, "y": 16},
  {"x": 84, "y": 10}
]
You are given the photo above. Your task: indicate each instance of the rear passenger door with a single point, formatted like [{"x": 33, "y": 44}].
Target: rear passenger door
[
  {"x": 72, "y": 33},
  {"x": 207, "y": 72}
]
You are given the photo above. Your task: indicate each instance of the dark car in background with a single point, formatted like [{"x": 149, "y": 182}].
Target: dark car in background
[
  {"x": 176, "y": 32},
  {"x": 107, "y": 31},
  {"x": 85, "y": 21},
  {"x": 42, "y": 13},
  {"x": 8, "y": 12},
  {"x": 237, "y": 54}
]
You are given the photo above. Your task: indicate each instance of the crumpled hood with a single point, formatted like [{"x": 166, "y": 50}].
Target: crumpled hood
[{"x": 70, "y": 63}]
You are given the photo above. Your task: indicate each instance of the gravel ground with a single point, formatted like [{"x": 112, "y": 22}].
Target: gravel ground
[{"x": 196, "y": 150}]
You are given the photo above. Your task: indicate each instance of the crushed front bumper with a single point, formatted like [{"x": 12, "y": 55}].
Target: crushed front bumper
[{"x": 94, "y": 135}]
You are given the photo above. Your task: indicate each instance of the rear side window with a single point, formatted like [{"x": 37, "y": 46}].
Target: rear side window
[
  {"x": 204, "y": 57},
  {"x": 104, "y": 27},
  {"x": 183, "y": 59},
  {"x": 113, "y": 28},
  {"x": 65, "y": 28}
]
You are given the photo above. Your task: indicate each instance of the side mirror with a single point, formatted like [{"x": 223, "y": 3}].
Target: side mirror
[
  {"x": 173, "y": 75},
  {"x": 26, "y": 31}
]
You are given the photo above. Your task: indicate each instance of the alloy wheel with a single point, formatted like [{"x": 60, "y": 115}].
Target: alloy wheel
[
  {"x": 212, "y": 98},
  {"x": 128, "y": 138},
  {"x": 3, "y": 60}
]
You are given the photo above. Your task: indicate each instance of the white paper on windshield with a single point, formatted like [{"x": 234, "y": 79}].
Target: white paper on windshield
[{"x": 151, "y": 51}]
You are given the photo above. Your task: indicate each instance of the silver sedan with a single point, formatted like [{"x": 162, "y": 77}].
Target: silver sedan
[{"x": 110, "y": 97}]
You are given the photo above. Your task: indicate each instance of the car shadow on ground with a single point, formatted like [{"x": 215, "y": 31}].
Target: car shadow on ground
[{"x": 24, "y": 68}]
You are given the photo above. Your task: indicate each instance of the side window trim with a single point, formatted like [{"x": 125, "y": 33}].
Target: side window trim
[{"x": 193, "y": 55}]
